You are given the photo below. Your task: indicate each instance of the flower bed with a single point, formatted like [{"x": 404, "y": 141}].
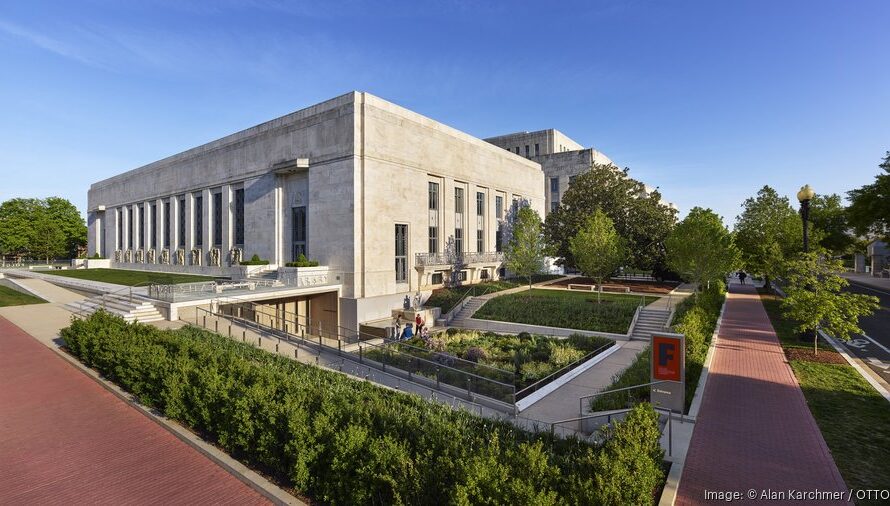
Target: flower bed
[
  {"x": 519, "y": 360},
  {"x": 343, "y": 441}
]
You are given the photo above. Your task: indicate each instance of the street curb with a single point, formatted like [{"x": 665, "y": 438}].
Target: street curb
[
  {"x": 675, "y": 475},
  {"x": 854, "y": 361},
  {"x": 255, "y": 481}
]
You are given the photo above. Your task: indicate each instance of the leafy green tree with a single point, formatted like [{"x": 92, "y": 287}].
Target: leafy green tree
[
  {"x": 70, "y": 223},
  {"x": 598, "y": 249},
  {"x": 701, "y": 249},
  {"x": 48, "y": 241},
  {"x": 524, "y": 254},
  {"x": 639, "y": 216},
  {"x": 768, "y": 232},
  {"x": 815, "y": 299},
  {"x": 829, "y": 219},
  {"x": 869, "y": 211},
  {"x": 17, "y": 225}
]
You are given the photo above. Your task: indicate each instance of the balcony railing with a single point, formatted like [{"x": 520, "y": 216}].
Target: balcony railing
[{"x": 424, "y": 259}]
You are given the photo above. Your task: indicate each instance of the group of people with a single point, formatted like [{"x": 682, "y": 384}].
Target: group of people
[{"x": 405, "y": 331}]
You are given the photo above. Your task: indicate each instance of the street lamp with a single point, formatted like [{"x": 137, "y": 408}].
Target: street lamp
[{"x": 805, "y": 195}]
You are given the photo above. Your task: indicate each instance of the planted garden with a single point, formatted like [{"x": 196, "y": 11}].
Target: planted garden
[
  {"x": 344, "y": 441},
  {"x": 517, "y": 361},
  {"x": 448, "y": 298},
  {"x": 571, "y": 310}
]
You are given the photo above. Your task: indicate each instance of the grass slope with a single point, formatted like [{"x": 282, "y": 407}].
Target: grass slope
[
  {"x": 556, "y": 308},
  {"x": 10, "y": 297},
  {"x": 129, "y": 278}
]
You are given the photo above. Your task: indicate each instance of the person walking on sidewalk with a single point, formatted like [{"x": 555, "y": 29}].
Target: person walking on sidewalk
[{"x": 742, "y": 277}]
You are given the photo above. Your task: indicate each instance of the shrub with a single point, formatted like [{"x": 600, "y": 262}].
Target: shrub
[
  {"x": 475, "y": 354},
  {"x": 302, "y": 261},
  {"x": 255, "y": 260}
]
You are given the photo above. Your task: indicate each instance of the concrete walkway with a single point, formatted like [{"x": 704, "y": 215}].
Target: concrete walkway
[
  {"x": 67, "y": 440},
  {"x": 46, "y": 290},
  {"x": 562, "y": 403},
  {"x": 754, "y": 430}
]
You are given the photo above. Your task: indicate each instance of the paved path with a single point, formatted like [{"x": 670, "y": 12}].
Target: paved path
[
  {"x": 754, "y": 429},
  {"x": 66, "y": 440},
  {"x": 47, "y": 291}
]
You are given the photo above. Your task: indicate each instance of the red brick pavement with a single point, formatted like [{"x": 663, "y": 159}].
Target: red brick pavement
[
  {"x": 754, "y": 429},
  {"x": 66, "y": 440}
]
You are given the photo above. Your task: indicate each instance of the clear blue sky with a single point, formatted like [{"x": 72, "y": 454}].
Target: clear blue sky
[{"x": 708, "y": 100}]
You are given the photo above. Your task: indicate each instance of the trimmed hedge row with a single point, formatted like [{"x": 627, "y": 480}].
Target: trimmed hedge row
[{"x": 343, "y": 441}]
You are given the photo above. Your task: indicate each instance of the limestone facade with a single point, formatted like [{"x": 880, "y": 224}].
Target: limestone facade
[{"x": 371, "y": 190}]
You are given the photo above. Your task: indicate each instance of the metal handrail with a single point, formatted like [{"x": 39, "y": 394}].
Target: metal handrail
[
  {"x": 610, "y": 414},
  {"x": 604, "y": 392}
]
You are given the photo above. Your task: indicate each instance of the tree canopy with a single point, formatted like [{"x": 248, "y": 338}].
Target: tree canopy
[
  {"x": 525, "y": 252},
  {"x": 639, "y": 216},
  {"x": 597, "y": 248},
  {"x": 41, "y": 228},
  {"x": 701, "y": 248},
  {"x": 815, "y": 300},
  {"x": 869, "y": 211},
  {"x": 829, "y": 219},
  {"x": 768, "y": 232}
]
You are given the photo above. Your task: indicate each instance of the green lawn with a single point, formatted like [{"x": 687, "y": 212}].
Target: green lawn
[
  {"x": 853, "y": 417},
  {"x": 447, "y": 298},
  {"x": 558, "y": 308},
  {"x": 129, "y": 278},
  {"x": 10, "y": 297}
]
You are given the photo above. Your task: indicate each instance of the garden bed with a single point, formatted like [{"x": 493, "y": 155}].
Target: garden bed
[
  {"x": 344, "y": 441},
  {"x": 515, "y": 360},
  {"x": 570, "y": 310}
]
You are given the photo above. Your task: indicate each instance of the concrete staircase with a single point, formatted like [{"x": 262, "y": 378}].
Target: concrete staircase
[
  {"x": 649, "y": 321},
  {"x": 271, "y": 274},
  {"x": 137, "y": 309},
  {"x": 468, "y": 310}
]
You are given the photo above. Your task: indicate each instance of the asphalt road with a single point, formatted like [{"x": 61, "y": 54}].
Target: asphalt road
[{"x": 873, "y": 347}]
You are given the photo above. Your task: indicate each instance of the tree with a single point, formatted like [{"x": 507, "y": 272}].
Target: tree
[
  {"x": 701, "y": 248},
  {"x": 49, "y": 241},
  {"x": 869, "y": 211},
  {"x": 597, "y": 248},
  {"x": 70, "y": 223},
  {"x": 638, "y": 215},
  {"x": 16, "y": 226},
  {"x": 829, "y": 219},
  {"x": 524, "y": 254},
  {"x": 815, "y": 300},
  {"x": 768, "y": 232}
]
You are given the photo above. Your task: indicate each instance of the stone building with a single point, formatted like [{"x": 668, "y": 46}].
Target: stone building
[{"x": 378, "y": 195}]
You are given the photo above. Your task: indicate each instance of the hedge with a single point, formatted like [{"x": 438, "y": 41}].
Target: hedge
[{"x": 345, "y": 441}]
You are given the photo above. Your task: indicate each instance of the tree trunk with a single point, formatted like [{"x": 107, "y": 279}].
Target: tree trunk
[{"x": 816, "y": 342}]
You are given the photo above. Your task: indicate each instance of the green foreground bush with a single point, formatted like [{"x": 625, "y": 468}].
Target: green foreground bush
[{"x": 343, "y": 441}]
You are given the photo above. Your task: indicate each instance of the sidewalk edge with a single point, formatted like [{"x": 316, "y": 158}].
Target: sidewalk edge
[{"x": 854, "y": 361}]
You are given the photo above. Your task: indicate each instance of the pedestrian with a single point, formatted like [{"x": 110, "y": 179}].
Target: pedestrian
[
  {"x": 418, "y": 324},
  {"x": 397, "y": 334},
  {"x": 742, "y": 276},
  {"x": 407, "y": 334}
]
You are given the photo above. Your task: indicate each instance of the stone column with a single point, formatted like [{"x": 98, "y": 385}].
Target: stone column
[
  {"x": 228, "y": 210},
  {"x": 189, "y": 223},
  {"x": 134, "y": 235}
]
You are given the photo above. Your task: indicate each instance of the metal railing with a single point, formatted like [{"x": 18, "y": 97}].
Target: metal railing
[
  {"x": 424, "y": 259},
  {"x": 534, "y": 387},
  {"x": 607, "y": 392},
  {"x": 174, "y": 292},
  {"x": 618, "y": 413}
]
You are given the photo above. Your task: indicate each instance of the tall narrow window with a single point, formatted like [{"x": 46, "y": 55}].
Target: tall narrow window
[
  {"x": 182, "y": 222},
  {"x": 433, "y": 217},
  {"x": 527, "y": 154},
  {"x": 401, "y": 253},
  {"x": 120, "y": 229},
  {"x": 480, "y": 222},
  {"x": 167, "y": 223},
  {"x": 298, "y": 231},
  {"x": 517, "y": 150},
  {"x": 199, "y": 220},
  {"x": 239, "y": 217},
  {"x": 458, "y": 220},
  {"x": 152, "y": 240},
  {"x": 499, "y": 216},
  {"x": 129, "y": 227},
  {"x": 554, "y": 184},
  {"x": 142, "y": 218},
  {"x": 217, "y": 220},
  {"x": 537, "y": 149}
]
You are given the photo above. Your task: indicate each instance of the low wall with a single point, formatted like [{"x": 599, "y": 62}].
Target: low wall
[
  {"x": 516, "y": 328},
  {"x": 203, "y": 270}
]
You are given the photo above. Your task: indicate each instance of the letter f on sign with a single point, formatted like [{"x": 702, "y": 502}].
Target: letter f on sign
[{"x": 665, "y": 353}]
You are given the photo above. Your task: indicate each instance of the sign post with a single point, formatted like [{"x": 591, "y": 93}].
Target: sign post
[{"x": 668, "y": 366}]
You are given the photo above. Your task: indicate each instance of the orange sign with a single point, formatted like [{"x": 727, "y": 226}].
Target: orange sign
[{"x": 667, "y": 358}]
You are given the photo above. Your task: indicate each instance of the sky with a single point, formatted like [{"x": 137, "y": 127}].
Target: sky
[{"x": 706, "y": 100}]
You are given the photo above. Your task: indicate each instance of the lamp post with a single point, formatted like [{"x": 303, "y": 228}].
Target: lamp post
[{"x": 805, "y": 195}]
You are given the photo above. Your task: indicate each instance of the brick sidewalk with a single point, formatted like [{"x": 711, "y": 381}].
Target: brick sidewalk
[
  {"x": 754, "y": 430},
  {"x": 66, "y": 440}
]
